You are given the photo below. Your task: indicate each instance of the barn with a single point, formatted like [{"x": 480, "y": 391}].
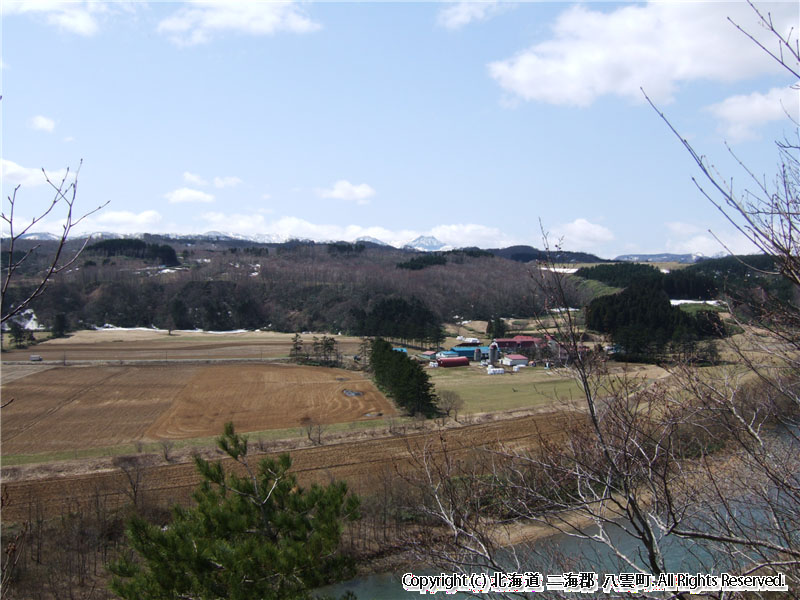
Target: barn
[{"x": 469, "y": 351}]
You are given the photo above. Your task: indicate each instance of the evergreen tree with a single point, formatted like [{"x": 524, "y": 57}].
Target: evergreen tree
[
  {"x": 59, "y": 329},
  {"x": 296, "y": 351},
  {"x": 403, "y": 379},
  {"x": 254, "y": 536},
  {"x": 17, "y": 334}
]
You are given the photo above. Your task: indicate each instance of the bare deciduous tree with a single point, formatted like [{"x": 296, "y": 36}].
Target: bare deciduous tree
[
  {"x": 708, "y": 464},
  {"x": 64, "y": 195},
  {"x": 314, "y": 429},
  {"x": 450, "y": 403}
]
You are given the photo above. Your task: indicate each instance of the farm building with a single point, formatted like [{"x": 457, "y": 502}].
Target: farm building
[
  {"x": 446, "y": 354},
  {"x": 400, "y": 350},
  {"x": 520, "y": 342},
  {"x": 513, "y": 360},
  {"x": 469, "y": 351},
  {"x": 506, "y": 343},
  {"x": 526, "y": 341},
  {"x": 456, "y": 361},
  {"x": 427, "y": 356}
]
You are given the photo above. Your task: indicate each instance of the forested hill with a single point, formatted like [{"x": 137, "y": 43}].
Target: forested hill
[
  {"x": 745, "y": 275},
  {"x": 162, "y": 254},
  {"x": 529, "y": 253},
  {"x": 224, "y": 284},
  {"x": 679, "y": 284}
]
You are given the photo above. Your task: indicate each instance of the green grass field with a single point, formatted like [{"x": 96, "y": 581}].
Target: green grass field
[
  {"x": 531, "y": 387},
  {"x": 693, "y": 309}
]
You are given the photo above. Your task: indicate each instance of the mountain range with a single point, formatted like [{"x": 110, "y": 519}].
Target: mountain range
[{"x": 423, "y": 243}]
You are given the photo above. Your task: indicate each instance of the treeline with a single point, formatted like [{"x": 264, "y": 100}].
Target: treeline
[
  {"x": 420, "y": 262},
  {"x": 431, "y": 259},
  {"x": 324, "y": 351},
  {"x": 403, "y": 379},
  {"x": 641, "y": 320},
  {"x": 400, "y": 319},
  {"x": 677, "y": 284},
  {"x": 526, "y": 254},
  {"x": 164, "y": 254}
]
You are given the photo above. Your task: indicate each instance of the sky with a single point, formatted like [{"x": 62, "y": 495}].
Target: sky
[{"x": 480, "y": 123}]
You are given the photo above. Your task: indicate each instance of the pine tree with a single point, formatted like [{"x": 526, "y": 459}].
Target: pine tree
[{"x": 259, "y": 535}]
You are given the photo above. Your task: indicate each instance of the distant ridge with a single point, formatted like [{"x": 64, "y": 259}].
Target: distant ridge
[
  {"x": 664, "y": 257},
  {"x": 423, "y": 243},
  {"x": 529, "y": 253}
]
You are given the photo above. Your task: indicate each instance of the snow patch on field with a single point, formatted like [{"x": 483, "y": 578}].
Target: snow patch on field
[
  {"x": 153, "y": 328},
  {"x": 568, "y": 270},
  {"x": 709, "y": 302}
]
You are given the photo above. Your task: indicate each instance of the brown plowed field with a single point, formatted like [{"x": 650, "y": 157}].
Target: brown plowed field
[
  {"x": 257, "y": 397},
  {"x": 116, "y": 345},
  {"x": 360, "y": 463},
  {"x": 72, "y": 408}
]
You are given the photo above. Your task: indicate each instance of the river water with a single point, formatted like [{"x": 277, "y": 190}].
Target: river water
[
  {"x": 680, "y": 556},
  {"x": 561, "y": 553}
]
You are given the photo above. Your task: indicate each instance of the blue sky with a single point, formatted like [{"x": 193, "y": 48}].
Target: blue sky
[{"x": 469, "y": 121}]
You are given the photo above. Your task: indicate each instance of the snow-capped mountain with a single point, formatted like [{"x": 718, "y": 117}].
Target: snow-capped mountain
[
  {"x": 39, "y": 236},
  {"x": 664, "y": 257},
  {"x": 372, "y": 240},
  {"x": 427, "y": 243}
]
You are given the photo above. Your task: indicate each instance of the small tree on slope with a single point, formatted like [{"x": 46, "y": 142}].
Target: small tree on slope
[{"x": 253, "y": 536}]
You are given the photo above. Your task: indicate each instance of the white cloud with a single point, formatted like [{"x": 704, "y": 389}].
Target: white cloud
[
  {"x": 582, "y": 235},
  {"x": 188, "y": 195},
  {"x": 656, "y": 46},
  {"x": 75, "y": 17},
  {"x": 42, "y": 123},
  {"x": 200, "y": 20},
  {"x": 193, "y": 179},
  {"x": 344, "y": 190},
  {"x": 741, "y": 115},
  {"x": 14, "y": 174},
  {"x": 682, "y": 229},
  {"x": 266, "y": 196},
  {"x": 470, "y": 234},
  {"x": 223, "y": 182},
  {"x": 686, "y": 238},
  {"x": 458, "y": 14}
]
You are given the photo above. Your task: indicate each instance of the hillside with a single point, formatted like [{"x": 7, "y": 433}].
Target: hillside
[{"x": 223, "y": 284}]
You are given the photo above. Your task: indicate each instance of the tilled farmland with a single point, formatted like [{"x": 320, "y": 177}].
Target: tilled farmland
[
  {"x": 70, "y": 408},
  {"x": 360, "y": 463}
]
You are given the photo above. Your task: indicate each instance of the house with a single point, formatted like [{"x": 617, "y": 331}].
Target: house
[{"x": 526, "y": 341}]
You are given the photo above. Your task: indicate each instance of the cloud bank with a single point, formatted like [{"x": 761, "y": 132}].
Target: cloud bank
[{"x": 657, "y": 46}]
